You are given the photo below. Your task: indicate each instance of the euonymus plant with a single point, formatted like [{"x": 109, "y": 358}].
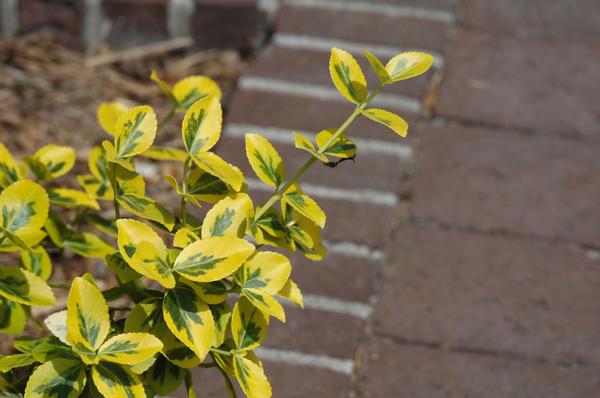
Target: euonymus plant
[{"x": 190, "y": 292}]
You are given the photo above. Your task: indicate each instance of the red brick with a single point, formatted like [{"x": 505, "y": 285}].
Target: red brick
[
  {"x": 136, "y": 22},
  {"x": 306, "y": 114},
  {"x": 399, "y": 371},
  {"x": 557, "y": 20},
  {"x": 363, "y": 27},
  {"x": 363, "y": 223},
  {"x": 519, "y": 83},
  {"x": 369, "y": 171},
  {"x": 530, "y": 297},
  {"x": 226, "y": 24},
  {"x": 287, "y": 381},
  {"x": 316, "y": 332},
  {"x": 338, "y": 276},
  {"x": 308, "y": 66},
  {"x": 503, "y": 181}
]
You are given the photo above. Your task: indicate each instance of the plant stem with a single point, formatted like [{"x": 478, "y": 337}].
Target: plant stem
[
  {"x": 221, "y": 352},
  {"x": 58, "y": 285},
  {"x": 167, "y": 118},
  {"x": 300, "y": 172},
  {"x": 186, "y": 171},
  {"x": 114, "y": 187}
]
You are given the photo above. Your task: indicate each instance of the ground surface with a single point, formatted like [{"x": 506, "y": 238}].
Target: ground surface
[{"x": 463, "y": 260}]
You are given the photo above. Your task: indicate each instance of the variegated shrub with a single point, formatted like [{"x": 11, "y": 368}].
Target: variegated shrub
[{"x": 190, "y": 292}]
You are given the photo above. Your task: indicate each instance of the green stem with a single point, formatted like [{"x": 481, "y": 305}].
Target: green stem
[
  {"x": 221, "y": 352},
  {"x": 114, "y": 184},
  {"x": 300, "y": 172},
  {"x": 58, "y": 285},
  {"x": 186, "y": 171},
  {"x": 167, "y": 118}
]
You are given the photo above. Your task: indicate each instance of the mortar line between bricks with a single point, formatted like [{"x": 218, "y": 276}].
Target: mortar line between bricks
[
  {"x": 351, "y": 249},
  {"x": 331, "y": 304},
  {"x": 284, "y": 136},
  {"x": 338, "y": 365},
  {"x": 316, "y": 91},
  {"x": 324, "y": 44},
  {"x": 354, "y": 389},
  {"x": 388, "y": 10},
  {"x": 381, "y": 198},
  {"x": 453, "y": 121},
  {"x": 502, "y": 232},
  {"x": 488, "y": 352}
]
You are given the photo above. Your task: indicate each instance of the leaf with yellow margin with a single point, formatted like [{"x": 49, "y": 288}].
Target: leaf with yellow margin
[
  {"x": 408, "y": 65},
  {"x": 201, "y": 127},
  {"x": 389, "y": 119},
  {"x": 264, "y": 160},
  {"x": 347, "y": 76},
  {"x": 135, "y": 131},
  {"x": 108, "y": 113},
  {"x": 228, "y": 217}
]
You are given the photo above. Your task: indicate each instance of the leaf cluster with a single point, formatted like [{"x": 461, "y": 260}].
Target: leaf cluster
[{"x": 190, "y": 292}]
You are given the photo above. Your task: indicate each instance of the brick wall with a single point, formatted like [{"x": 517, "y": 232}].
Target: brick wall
[{"x": 85, "y": 24}]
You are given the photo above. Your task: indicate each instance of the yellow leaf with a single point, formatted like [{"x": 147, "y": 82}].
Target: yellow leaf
[
  {"x": 10, "y": 362},
  {"x": 222, "y": 316},
  {"x": 407, "y": 65},
  {"x": 30, "y": 240},
  {"x": 58, "y": 377},
  {"x": 201, "y": 127},
  {"x": 252, "y": 378},
  {"x": 88, "y": 245},
  {"x": 347, "y": 76},
  {"x": 291, "y": 291},
  {"x": 108, "y": 113},
  {"x": 301, "y": 142},
  {"x": 113, "y": 157},
  {"x": 164, "y": 87},
  {"x": 165, "y": 153},
  {"x": 378, "y": 67},
  {"x": 9, "y": 169},
  {"x": 88, "y": 322},
  {"x": 24, "y": 287},
  {"x": 212, "y": 292},
  {"x": 147, "y": 208},
  {"x": 115, "y": 381},
  {"x": 129, "y": 348},
  {"x": 131, "y": 233},
  {"x": 218, "y": 167},
  {"x": 135, "y": 131},
  {"x": 267, "y": 271},
  {"x": 248, "y": 325},
  {"x": 189, "y": 318},
  {"x": 206, "y": 187},
  {"x": 213, "y": 258},
  {"x": 71, "y": 198},
  {"x": 341, "y": 147},
  {"x": 24, "y": 208},
  {"x": 37, "y": 262},
  {"x": 193, "y": 88},
  {"x": 184, "y": 237},
  {"x": 265, "y": 160},
  {"x": 306, "y": 206},
  {"x": 389, "y": 119},
  {"x": 12, "y": 317},
  {"x": 58, "y": 160},
  {"x": 57, "y": 325},
  {"x": 152, "y": 263},
  {"x": 228, "y": 217}
]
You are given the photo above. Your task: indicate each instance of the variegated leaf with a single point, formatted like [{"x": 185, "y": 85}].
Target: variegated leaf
[
  {"x": 389, "y": 119},
  {"x": 213, "y": 258},
  {"x": 58, "y": 378},
  {"x": 115, "y": 381},
  {"x": 347, "y": 76},
  {"x": 228, "y": 217},
  {"x": 129, "y": 348},
  {"x": 248, "y": 325},
  {"x": 108, "y": 113},
  {"x": 408, "y": 65},
  {"x": 135, "y": 131},
  {"x": 23, "y": 208},
  {"x": 193, "y": 88},
  {"x": 24, "y": 287},
  {"x": 264, "y": 159},
  {"x": 219, "y": 168},
  {"x": 201, "y": 126}
]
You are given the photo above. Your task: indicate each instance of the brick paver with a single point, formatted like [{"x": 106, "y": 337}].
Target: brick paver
[
  {"x": 533, "y": 298},
  {"x": 489, "y": 287},
  {"x": 401, "y": 371},
  {"x": 529, "y": 84},
  {"x": 499, "y": 180}
]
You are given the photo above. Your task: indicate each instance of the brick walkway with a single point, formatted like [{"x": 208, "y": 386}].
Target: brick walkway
[{"x": 462, "y": 259}]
